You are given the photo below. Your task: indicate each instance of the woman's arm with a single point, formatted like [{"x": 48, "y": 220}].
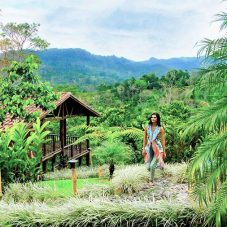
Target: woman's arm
[{"x": 163, "y": 138}]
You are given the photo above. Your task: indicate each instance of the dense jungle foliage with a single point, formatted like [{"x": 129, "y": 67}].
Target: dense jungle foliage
[{"x": 129, "y": 104}]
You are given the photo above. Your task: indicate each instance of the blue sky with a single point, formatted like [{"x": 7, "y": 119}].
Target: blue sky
[{"x": 134, "y": 29}]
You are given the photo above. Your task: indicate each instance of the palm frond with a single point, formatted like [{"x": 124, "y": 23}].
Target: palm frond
[
  {"x": 214, "y": 77},
  {"x": 213, "y": 50},
  {"x": 91, "y": 136},
  {"x": 78, "y": 129},
  {"x": 208, "y": 167},
  {"x": 211, "y": 118},
  {"x": 218, "y": 208},
  {"x": 96, "y": 129},
  {"x": 223, "y": 18},
  {"x": 207, "y": 171},
  {"x": 132, "y": 133}
]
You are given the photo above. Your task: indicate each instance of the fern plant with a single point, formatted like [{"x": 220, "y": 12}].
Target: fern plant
[{"x": 208, "y": 168}]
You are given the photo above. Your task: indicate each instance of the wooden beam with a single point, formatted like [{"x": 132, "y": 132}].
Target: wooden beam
[
  {"x": 71, "y": 111},
  {"x": 59, "y": 111}
]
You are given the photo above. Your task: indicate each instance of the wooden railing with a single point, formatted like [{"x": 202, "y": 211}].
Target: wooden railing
[
  {"x": 76, "y": 151},
  {"x": 53, "y": 147},
  {"x": 53, "y": 144}
]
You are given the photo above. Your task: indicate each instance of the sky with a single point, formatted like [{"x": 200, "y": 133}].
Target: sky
[{"x": 134, "y": 29}]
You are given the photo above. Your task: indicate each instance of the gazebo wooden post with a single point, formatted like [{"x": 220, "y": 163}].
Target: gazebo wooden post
[
  {"x": 54, "y": 145},
  {"x": 63, "y": 134},
  {"x": 53, "y": 160},
  {"x": 88, "y": 156},
  {"x": 44, "y": 163},
  {"x": 44, "y": 149},
  {"x": 80, "y": 161}
]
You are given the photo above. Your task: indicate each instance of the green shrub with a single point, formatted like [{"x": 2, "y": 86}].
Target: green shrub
[
  {"x": 116, "y": 152},
  {"x": 15, "y": 145}
]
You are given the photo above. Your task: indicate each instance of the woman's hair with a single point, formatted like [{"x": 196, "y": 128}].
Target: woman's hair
[{"x": 158, "y": 119}]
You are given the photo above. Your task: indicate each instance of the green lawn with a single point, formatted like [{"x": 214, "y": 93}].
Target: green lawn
[{"x": 64, "y": 187}]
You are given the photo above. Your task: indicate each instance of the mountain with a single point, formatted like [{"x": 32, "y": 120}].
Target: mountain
[{"x": 60, "y": 66}]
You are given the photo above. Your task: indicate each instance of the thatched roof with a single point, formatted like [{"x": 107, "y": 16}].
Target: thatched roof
[{"x": 67, "y": 105}]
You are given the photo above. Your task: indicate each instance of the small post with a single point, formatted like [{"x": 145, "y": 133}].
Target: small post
[
  {"x": 100, "y": 172},
  {"x": 0, "y": 184},
  {"x": 74, "y": 175}
]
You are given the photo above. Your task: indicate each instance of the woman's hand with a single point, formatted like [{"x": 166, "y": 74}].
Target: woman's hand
[{"x": 143, "y": 151}]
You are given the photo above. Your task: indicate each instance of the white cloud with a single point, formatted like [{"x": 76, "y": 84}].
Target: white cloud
[{"x": 134, "y": 29}]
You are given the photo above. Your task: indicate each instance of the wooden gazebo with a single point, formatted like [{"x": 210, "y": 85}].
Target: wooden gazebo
[{"x": 67, "y": 106}]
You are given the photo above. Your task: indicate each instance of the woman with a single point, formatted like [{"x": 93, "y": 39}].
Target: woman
[{"x": 154, "y": 145}]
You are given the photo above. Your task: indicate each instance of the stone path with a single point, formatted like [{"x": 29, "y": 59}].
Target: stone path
[
  {"x": 165, "y": 189},
  {"x": 162, "y": 190}
]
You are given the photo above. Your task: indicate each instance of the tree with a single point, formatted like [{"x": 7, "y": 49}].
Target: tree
[
  {"x": 16, "y": 38},
  {"x": 152, "y": 81},
  {"x": 110, "y": 147},
  {"x": 208, "y": 169},
  {"x": 174, "y": 114},
  {"x": 174, "y": 78},
  {"x": 22, "y": 87}
]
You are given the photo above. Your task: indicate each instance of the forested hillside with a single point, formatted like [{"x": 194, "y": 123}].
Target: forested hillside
[{"x": 88, "y": 70}]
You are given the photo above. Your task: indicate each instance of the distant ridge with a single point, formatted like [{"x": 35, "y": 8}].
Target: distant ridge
[{"x": 85, "y": 69}]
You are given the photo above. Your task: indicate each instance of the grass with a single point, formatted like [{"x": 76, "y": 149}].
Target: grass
[
  {"x": 64, "y": 187},
  {"x": 82, "y": 172},
  {"x": 51, "y": 191}
]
